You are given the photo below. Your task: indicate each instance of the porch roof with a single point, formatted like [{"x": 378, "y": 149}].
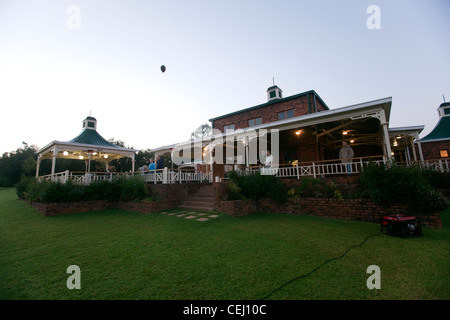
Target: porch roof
[{"x": 353, "y": 112}]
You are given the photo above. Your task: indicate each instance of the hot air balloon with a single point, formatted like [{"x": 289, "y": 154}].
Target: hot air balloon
[{"x": 163, "y": 68}]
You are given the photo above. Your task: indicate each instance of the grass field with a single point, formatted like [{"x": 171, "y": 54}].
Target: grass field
[{"x": 127, "y": 255}]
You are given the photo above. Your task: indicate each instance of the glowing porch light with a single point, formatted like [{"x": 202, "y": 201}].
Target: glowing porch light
[
  {"x": 80, "y": 157},
  {"x": 105, "y": 156},
  {"x": 65, "y": 153}
]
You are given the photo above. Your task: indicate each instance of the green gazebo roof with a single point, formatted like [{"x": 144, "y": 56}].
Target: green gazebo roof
[
  {"x": 442, "y": 130},
  {"x": 94, "y": 138}
]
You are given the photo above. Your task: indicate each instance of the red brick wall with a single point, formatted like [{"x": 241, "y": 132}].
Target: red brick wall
[
  {"x": 348, "y": 209},
  {"x": 269, "y": 113},
  {"x": 431, "y": 149}
]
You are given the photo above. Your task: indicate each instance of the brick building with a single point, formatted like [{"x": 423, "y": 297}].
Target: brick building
[
  {"x": 436, "y": 145},
  {"x": 308, "y": 131}
]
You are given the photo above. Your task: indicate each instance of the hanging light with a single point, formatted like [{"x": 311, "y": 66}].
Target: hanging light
[
  {"x": 395, "y": 143},
  {"x": 80, "y": 157},
  {"x": 65, "y": 153}
]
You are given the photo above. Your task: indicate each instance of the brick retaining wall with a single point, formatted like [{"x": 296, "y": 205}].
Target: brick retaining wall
[{"x": 348, "y": 209}]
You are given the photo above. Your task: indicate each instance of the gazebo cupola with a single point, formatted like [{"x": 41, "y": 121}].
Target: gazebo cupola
[{"x": 90, "y": 123}]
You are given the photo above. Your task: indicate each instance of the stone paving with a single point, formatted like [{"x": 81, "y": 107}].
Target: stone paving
[{"x": 191, "y": 215}]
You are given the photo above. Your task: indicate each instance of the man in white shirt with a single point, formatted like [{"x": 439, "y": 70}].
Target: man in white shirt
[{"x": 269, "y": 159}]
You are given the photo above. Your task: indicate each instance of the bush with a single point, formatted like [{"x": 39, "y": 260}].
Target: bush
[
  {"x": 124, "y": 189},
  {"x": 391, "y": 183},
  {"x": 132, "y": 189},
  {"x": 314, "y": 188},
  {"x": 440, "y": 180},
  {"x": 255, "y": 186}
]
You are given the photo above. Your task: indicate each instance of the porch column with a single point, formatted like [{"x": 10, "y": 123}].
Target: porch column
[
  {"x": 414, "y": 151},
  {"x": 132, "y": 162},
  {"x": 386, "y": 142},
  {"x": 419, "y": 146},
  {"x": 38, "y": 163},
  {"x": 55, "y": 153}
]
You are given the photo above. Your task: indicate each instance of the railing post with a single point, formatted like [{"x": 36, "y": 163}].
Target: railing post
[
  {"x": 314, "y": 170},
  {"x": 164, "y": 177},
  {"x": 66, "y": 176},
  {"x": 441, "y": 165}
]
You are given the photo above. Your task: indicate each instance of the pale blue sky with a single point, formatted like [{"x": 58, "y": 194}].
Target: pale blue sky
[{"x": 220, "y": 57}]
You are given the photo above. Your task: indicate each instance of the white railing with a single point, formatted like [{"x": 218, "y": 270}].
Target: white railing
[
  {"x": 334, "y": 167},
  {"x": 312, "y": 169},
  {"x": 157, "y": 176}
]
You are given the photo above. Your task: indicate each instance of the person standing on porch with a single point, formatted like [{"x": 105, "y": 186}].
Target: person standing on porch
[
  {"x": 159, "y": 163},
  {"x": 346, "y": 155},
  {"x": 268, "y": 160},
  {"x": 151, "y": 166}
]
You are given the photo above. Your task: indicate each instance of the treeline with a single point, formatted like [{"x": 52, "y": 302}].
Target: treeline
[{"x": 22, "y": 163}]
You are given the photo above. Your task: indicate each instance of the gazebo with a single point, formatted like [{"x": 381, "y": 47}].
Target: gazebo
[{"x": 87, "y": 146}]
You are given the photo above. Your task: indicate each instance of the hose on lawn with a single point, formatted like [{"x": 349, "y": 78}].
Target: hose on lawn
[{"x": 322, "y": 264}]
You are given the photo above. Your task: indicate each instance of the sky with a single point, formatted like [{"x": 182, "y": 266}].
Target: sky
[{"x": 61, "y": 61}]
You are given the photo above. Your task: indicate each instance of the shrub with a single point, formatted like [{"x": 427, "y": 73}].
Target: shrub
[
  {"x": 315, "y": 188},
  {"x": 440, "y": 180},
  {"x": 391, "y": 183},
  {"x": 124, "y": 189},
  {"x": 132, "y": 189},
  {"x": 233, "y": 191},
  {"x": 255, "y": 186}
]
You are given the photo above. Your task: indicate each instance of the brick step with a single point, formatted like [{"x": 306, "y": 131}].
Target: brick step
[
  {"x": 200, "y": 208},
  {"x": 202, "y": 200},
  {"x": 198, "y": 203}
]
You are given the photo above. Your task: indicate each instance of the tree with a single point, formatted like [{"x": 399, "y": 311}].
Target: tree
[
  {"x": 203, "y": 131},
  {"x": 15, "y": 164}
]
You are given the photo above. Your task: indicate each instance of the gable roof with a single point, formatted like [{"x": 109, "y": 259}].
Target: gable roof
[{"x": 271, "y": 102}]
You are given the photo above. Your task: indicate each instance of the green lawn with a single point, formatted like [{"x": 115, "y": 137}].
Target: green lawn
[{"x": 126, "y": 255}]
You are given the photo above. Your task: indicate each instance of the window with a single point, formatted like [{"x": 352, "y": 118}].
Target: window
[
  {"x": 228, "y": 127},
  {"x": 286, "y": 114},
  {"x": 447, "y": 111},
  {"x": 443, "y": 153},
  {"x": 273, "y": 94},
  {"x": 254, "y": 122}
]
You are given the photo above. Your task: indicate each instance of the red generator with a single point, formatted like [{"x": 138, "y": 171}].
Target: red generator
[{"x": 401, "y": 225}]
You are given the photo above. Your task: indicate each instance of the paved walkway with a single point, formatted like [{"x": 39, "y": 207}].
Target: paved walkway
[{"x": 187, "y": 214}]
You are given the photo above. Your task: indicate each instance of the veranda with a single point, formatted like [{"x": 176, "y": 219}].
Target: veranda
[{"x": 294, "y": 170}]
